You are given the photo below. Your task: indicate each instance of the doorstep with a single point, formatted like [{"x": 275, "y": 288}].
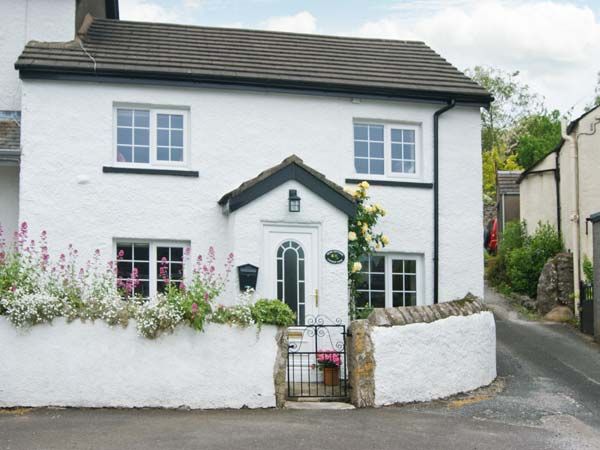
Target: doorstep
[{"x": 316, "y": 404}]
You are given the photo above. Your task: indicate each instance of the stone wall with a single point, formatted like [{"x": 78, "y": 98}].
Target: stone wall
[
  {"x": 555, "y": 285},
  {"x": 421, "y": 353}
]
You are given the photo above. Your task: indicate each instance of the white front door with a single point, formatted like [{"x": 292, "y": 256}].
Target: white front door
[{"x": 292, "y": 268}]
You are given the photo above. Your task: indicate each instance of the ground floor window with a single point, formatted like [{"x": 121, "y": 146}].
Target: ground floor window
[
  {"x": 389, "y": 281},
  {"x": 152, "y": 263}
]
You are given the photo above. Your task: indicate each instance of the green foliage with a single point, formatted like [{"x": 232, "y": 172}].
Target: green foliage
[
  {"x": 596, "y": 101},
  {"x": 496, "y": 159},
  {"x": 588, "y": 270},
  {"x": 535, "y": 136},
  {"x": 521, "y": 258},
  {"x": 273, "y": 312},
  {"x": 363, "y": 313}
]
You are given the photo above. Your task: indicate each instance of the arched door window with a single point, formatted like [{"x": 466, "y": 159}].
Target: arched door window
[{"x": 290, "y": 278}]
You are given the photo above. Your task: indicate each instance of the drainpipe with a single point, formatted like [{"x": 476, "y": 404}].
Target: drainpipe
[
  {"x": 557, "y": 183},
  {"x": 436, "y": 199},
  {"x": 575, "y": 213}
]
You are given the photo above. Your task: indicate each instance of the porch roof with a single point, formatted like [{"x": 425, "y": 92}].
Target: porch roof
[
  {"x": 291, "y": 168},
  {"x": 10, "y": 140}
]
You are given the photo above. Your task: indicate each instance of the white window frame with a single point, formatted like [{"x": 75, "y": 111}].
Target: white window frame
[
  {"x": 420, "y": 267},
  {"x": 387, "y": 150},
  {"x": 153, "y": 244},
  {"x": 153, "y": 161}
]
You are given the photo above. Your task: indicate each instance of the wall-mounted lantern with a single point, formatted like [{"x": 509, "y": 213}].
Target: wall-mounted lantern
[
  {"x": 247, "y": 275},
  {"x": 294, "y": 201}
]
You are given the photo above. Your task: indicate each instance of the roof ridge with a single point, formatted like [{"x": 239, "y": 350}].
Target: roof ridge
[{"x": 257, "y": 30}]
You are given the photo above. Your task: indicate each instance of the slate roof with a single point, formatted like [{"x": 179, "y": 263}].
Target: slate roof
[
  {"x": 407, "y": 69},
  {"x": 291, "y": 168},
  {"x": 507, "y": 182}
]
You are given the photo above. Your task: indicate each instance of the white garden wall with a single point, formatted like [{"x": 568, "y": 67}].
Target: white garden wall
[
  {"x": 427, "y": 361},
  {"x": 93, "y": 365}
]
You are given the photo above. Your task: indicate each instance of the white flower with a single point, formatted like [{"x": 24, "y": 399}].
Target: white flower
[
  {"x": 356, "y": 267},
  {"x": 351, "y": 236}
]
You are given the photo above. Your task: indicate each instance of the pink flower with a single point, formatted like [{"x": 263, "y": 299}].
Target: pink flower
[
  {"x": 194, "y": 308},
  {"x": 121, "y": 254}
]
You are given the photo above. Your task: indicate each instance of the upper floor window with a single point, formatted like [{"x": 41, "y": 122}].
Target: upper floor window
[
  {"x": 150, "y": 136},
  {"x": 386, "y": 149}
]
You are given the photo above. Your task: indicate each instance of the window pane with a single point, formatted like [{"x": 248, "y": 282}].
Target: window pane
[
  {"x": 409, "y": 151},
  {"x": 377, "y": 264},
  {"x": 176, "y": 271},
  {"x": 124, "y": 154},
  {"x": 397, "y": 151},
  {"x": 410, "y": 266},
  {"x": 377, "y": 166},
  {"x": 126, "y": 251},
  {"x": 410, "y": 282},
  {"x": 397, "y": 299},
  {"x": 396, "y": 135},
  {"x": 378, "y": 299},
  {"x": 376, "y": 133},
  {"x": 177, "y": 121},
  {"x": 124, "y": 136},
  {"x": 177, "y": 154},
  {"x": 177, "y": 138},
  {"x": 362, "y": 299},
  {"x": 360, "y": 132},
  {"x": 376, "y": 150},
  {"x": 410, "y": 299},
  {"x": 143, "y": 269},
  {"x": 398, "y": 282},
  {"x": 408, "y": 135},
  {"x": 142, "y": 136},
  {"x": 378, "y": 282},
  {"x": 162, "y": 137},
  {"x": 162, "y": 252},
  {"x": 409, "y": 167},
  {"x": 362, "y": 281},
  {"x": 361, "y": 149},
  {"x": 124, "y": 117},
  {"x": 141, "y": 155},
  {"x": 398, "y": 265},
  {"x": 397, "y": 166},
  {"x": 162, "y": 120},
  {"x": 176, "y": 253},
  {"x": 142, "y": 119},
  {"x": 123, "y": 269},
  {"x": 162, "y": 153},
  {"x": 361, "y": 165},
  {"x": 141, "y": 252}
]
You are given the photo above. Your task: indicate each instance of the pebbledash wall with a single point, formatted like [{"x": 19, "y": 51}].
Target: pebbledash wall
[
  {"x": 422, "y": 353},
  {"x": 94, "y": 365},
  {"x": 235, "y": 135}
]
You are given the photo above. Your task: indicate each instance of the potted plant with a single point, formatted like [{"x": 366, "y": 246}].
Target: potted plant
[{"x": 329, "y": 362}]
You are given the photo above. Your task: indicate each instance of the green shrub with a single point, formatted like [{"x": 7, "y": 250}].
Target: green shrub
[
  {"x": 513, "y": 237},
  {"x": 272, "y": 312},
  {"x": 588, "y": 270},
  {"x": 495, "y": 270},
  {"x": 524, "y": 265}
]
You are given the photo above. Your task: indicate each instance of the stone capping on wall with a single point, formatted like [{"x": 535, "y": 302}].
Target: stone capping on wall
[{"x": 388, "y": 317}]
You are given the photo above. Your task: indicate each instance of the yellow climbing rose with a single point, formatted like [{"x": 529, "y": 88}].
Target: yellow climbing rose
[
  {"x": 356, "y": 267},
  {"x": 385, "y": 240},
  {"x": 364, "y": 185},
  {"x": 351, "y": 236}
]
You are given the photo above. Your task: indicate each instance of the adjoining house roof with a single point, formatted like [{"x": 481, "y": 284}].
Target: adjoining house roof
[
  {"x": 10, "y": 141},
  {"x": 506, "y": 182},
  {"x": 226, "y": 56},
  {"x": 291, "y": 168}
]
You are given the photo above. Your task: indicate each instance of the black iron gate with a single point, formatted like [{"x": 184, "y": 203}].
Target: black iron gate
[
  {"x": 316, "y": 363},
  {"x": 586, "y": 308}
]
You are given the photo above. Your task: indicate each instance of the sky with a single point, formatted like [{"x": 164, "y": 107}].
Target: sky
[{"x": 554, "y": 45}]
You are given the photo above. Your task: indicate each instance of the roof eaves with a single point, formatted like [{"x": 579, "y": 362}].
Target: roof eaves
[{"x": 539, "y": 161}]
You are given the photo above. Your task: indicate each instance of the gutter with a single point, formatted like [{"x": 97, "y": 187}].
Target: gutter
[
  {"x": 436, "y": 198},
  {"x": 557, "y": 185}
]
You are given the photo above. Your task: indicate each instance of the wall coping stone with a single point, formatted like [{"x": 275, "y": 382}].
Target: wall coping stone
[{"x": 388, "y": 317}]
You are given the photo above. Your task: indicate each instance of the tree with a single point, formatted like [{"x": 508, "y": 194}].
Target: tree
[
  {"x": 495, "y": 159},
  {"x": 513, "y": 101},
  {"x": 596, "y": 101},
  {"x": 535, "y": 136}
]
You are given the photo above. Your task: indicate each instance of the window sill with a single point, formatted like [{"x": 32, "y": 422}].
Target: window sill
[
  {"x": 395, "y": 183},
  {"x": 153, "y": 171}
]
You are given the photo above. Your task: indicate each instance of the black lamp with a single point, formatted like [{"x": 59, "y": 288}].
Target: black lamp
[
  {"x": 294, "y": 201},
  {"x": 247, "y": 275}
]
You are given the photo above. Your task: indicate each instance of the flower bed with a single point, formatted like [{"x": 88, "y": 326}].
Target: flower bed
[{"x": 36, "y": 289}]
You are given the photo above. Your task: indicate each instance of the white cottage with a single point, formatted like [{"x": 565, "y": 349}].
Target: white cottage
[{"x": 147, "y": 138}]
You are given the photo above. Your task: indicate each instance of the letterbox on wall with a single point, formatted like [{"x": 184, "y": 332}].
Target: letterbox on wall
[{"x": 247, "y": 275}]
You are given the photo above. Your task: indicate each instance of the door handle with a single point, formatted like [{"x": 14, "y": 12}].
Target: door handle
[{"x": 316, "y": 294}]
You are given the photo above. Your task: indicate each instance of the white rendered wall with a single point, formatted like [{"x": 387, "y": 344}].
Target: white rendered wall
[
  {"x": 23, "y": 21},
  {"x": 235, "y": 135},
  {"x": 427, "y": 361},
  {"x": 9, "y": 199},
  {"x": 538, "y": 200},
  {"x": 93, "y": 365}
]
